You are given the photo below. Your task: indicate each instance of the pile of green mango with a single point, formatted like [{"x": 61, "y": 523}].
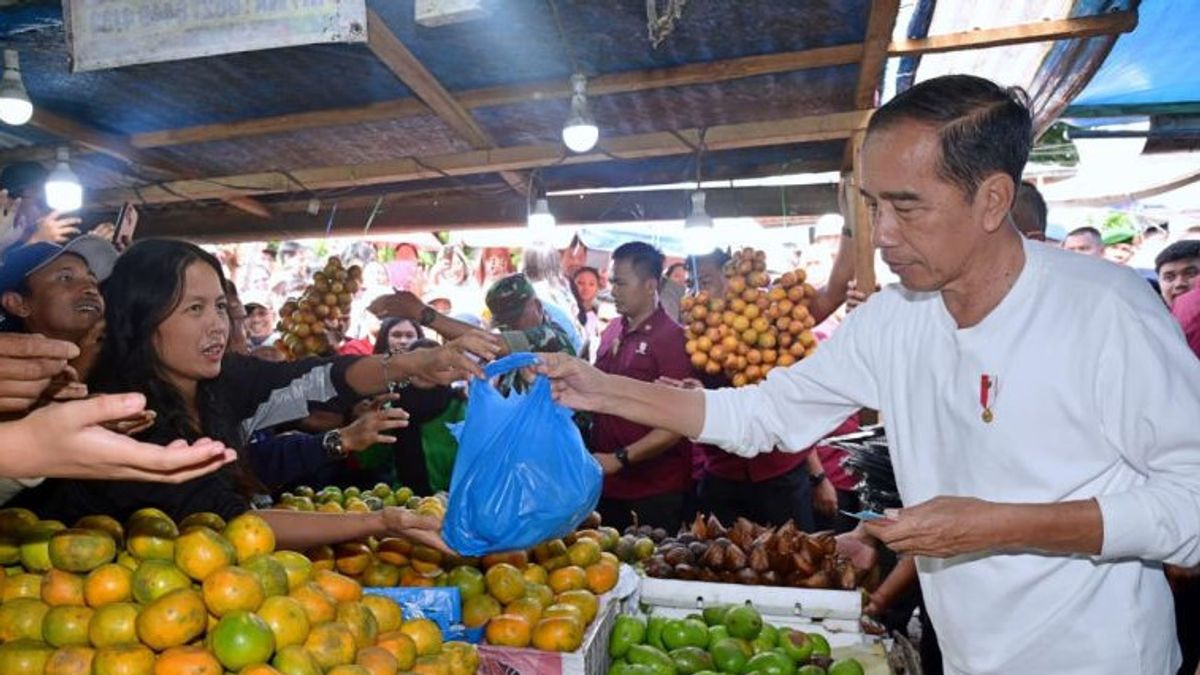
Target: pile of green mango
[{"x": 721, "y": 640}]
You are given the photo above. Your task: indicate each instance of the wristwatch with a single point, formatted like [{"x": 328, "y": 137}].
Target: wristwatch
[
  {"x": 622, "y": 455},
  {"x": 331, "y": 442},
  {"x": 428, "y": 316},
  {"x": 817, "y": 478}
]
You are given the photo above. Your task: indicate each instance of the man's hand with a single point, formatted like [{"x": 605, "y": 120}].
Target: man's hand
[
  {"x": 28, "y": 363},
  {"x": 8, "y": 211},
  {"x": 369, "y": 428},
  {"x": 132, "y": 425},
  {"x": 448, "y": 363},
  {"x": 65, "y": 440},
  {"x": 939, "y": 528},
  {"x": 608, "y": 462},
  {"x": 575, "y": 383},
  {"x": 859, "y": 548},
  {"x": 402, "y": 304},
  {"x": 855, "y": 297},
  {"x": 418, "y": 529},
  {"x": 55, "y": 228},
  {"x": 824, "y": 496},
  {"x": 104, "y": 230}
]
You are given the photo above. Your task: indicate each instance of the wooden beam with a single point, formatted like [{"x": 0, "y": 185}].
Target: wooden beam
[
  {"x": 120, "y": 148},
  {"x": 880, "y": 24},
  {"x": 386, "y": 47},
  {"x": 602, "y": 85},
  {"x": 657, "y": 144},
  {"x": 1040, "y": 31}
]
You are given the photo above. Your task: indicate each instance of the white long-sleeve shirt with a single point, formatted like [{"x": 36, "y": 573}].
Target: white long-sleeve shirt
[{"x": 1097, "y": 396}]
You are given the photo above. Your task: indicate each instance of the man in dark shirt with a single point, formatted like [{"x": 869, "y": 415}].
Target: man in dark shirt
[{"x": 647, "y": 471}]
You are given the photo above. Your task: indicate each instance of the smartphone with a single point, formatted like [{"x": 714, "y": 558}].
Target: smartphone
[{"x": 127, "y": 220}]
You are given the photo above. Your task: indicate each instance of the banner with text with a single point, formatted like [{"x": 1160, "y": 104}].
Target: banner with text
[{"x": 113, "y": 33}]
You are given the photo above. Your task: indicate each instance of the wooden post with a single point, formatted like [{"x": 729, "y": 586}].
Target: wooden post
[{"x": 860, "y": 218}]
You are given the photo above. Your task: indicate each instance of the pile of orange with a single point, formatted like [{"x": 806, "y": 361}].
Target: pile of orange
[
  {"x": 153, "y": 598},
  {"x": 302, "y": 320},
  {"x": 756, "y": 327}
]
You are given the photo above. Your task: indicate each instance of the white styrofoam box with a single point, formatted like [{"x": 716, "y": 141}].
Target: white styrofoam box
[
  {"x": 435, "y": 13},
  {"x": 777, "y": 601}
]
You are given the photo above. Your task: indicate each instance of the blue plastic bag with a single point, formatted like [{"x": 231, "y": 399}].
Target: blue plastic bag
[{"x": 523, "y": 474}]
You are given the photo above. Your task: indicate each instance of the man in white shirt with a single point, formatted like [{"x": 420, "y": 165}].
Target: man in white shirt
[{"x": 1040, "y": 405}]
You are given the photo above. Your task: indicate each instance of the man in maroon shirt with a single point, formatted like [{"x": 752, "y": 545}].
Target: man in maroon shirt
[{"x": 647, "y": 471}]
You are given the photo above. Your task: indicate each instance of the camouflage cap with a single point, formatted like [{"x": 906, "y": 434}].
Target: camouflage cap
[{"x": 506, "y": 299}]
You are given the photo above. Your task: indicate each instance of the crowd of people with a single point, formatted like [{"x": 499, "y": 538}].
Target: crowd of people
[{"x": 148, "y": 374}]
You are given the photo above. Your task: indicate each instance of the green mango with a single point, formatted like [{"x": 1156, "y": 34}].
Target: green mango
[
  {"x": 685, "y": 633},
  {"x": 627, "y": 632},
  {"x": 715, "y": 635},
  {"x": 846, "y": 667},
  {"x": 646, "y": 655},
  {"x": 744, "y": 622},
  {"x": 730, "y": 655},
  {"x": 796, "y": 645},
  {"x": 811, "y": 670},
  {"x": 820, "y": 644},
  {"x": 691, "y": 660},
  {"x": 771, "y": 663},
  {"x": 715, "y": 615},
  {"x": 654, "y": 631}
]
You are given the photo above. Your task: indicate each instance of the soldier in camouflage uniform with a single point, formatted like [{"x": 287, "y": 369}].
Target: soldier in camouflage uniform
[{"x": 523, "y": 323}]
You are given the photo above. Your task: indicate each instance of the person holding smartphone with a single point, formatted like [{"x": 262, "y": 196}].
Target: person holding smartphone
[{"x": 24, "y": 216}]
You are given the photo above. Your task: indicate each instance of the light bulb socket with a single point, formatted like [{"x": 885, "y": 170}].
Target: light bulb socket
[
  {"x": 580, "y": 132},
  {"x": 540, "y": 217},
  {"x": 15, "y": 107}
]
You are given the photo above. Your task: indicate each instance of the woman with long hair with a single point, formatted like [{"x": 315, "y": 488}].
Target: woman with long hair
[
  {"x": 586, "y": 287},
  {"x": 167, "y": 338},
  {"x": 396, "y": 335},
  {"x": 495, "y": 263}
]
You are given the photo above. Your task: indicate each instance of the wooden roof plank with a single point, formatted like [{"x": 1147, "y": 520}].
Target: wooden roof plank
[{"x": 1039, "y": 31}]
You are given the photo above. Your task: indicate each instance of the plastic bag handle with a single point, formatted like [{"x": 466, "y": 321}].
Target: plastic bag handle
[{"x": 510, "y": 363}]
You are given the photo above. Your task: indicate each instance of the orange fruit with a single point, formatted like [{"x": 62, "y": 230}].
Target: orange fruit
[
  {"x": 316, "y": 603},
  {"x": 361, "y": 622},
  {"x": 331, "y": 644},
  {"x": 564, "y": 609},
  {"x": 113, "y": 624},
  {"x": 70, "y": 661},
  {"x": 348, "y": 669},
  {"x": 340, "y": 588},
  {"x": 259, "y": 669},
  {"x": 22, "y": 585},
  {"x": 321, "y": 557},
  {"x": 202, "y": 519},
  {"x": 425, "y": 635},
  {"x": 24, "y": 657},
  {"x": 22, "y": 619},
  {"x": 108, "y": 584},
  {"x": 505, "y": 583},
  {"x": 587, "y": 603},
  {"x": 541, "y": 593},
  {"x": 387, "y": 612},
  {"x": 557, "y": 634},
  {"x": 479, "y": 610},
  {"x": 584, "y": 552},
  {"x": 509, "y": 630},
  {"x": 172, "y": 620},
  {"x": 377, "y": 661},
  {"x": 287, "y": 620},
  {"x": 200, "y": 552},
  {"x": 155, "y": 578},
  {"x": 351, "y": 557},
  {"x": 187, "y": 661},
  {"x": 571, "y": 578},
  {"x": 295, "y": 660},
  {"x": 151, "y": 537},
  {"x": 412, "y": 578},
  {"x": 601, "y": 577},
  {"x": 463, "y": 657},
  {"x": 400, "y": 646},
  {"x": 270, "y": 573},
  {"x": 535, "y": 574},
  {"x": 297, "y": 568},
  {"x": 241, "y": 639},
  {"x": 230, "y": 589},
  {"x": 62, "y": 588},
  {"x": 610, "y": 558},
  {"x": 81, "y": 550},
  {"x": 530, "y": 608},
  {"x": 380, "y": 574},
  {"x": 125, "y": 659},
  {"x": 432, "y": 665},
  {"x": 250, "y": 536},
  {"x": 67, "y": 626}
]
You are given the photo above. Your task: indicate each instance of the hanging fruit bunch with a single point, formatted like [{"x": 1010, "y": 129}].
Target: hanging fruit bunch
[
  {"x": 303, "y": 321},
  {"x": 756, "y": 327}
]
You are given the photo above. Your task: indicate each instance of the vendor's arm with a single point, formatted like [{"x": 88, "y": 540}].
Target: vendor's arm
[
  {"x": 643, "y": 449},
  {"x": 299, "y": 530},
  {"x": 833, "y": 294},
  {"x": 406, "y": 305}
]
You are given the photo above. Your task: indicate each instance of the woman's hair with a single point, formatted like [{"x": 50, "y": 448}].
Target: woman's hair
[
  {"x": 583, "y": 311},
  {"x": 423, "y": 343},
  {"x": 451, "y": 268},
  {"x": 145, "y": 287},
  {"x": 385, "y": 329},
  {"x": 489, "y": 252}
]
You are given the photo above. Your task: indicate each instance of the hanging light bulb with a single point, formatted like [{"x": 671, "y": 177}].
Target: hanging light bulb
[
  {"x": 541, "y": 222},
  {"x": 63, "y": 191},
  {"x": 15, "y": 106},
  {"x": 580, "y": 133},
  {"x": 698, "y": 230}
]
